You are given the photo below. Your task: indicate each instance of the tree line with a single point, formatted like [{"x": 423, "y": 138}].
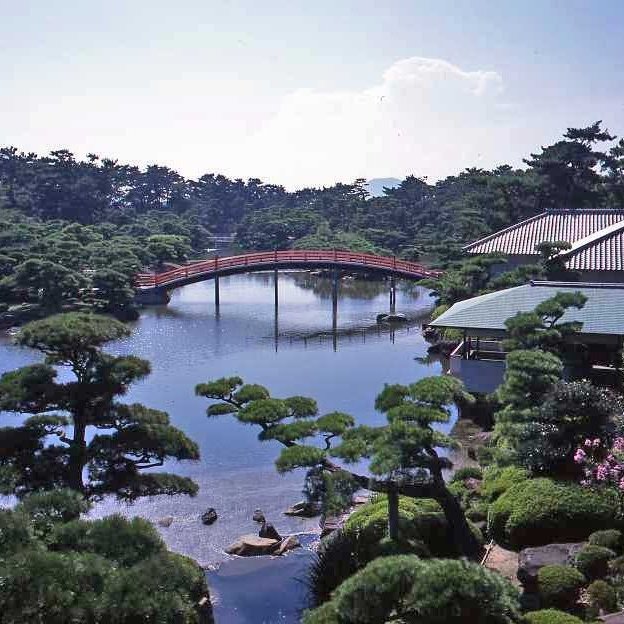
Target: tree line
[{"x": 583, "y": 169}]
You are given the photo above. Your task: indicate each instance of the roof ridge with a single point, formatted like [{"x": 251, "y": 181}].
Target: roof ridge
[
  {"x": 509, "y": 228},
  {"x": 590, "y": 239}
]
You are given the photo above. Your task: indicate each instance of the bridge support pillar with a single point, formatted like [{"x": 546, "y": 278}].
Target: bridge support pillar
[
  {"x": 392, "y": 295},
  {"x": 276, "y": 288},
  {"x": 216, "y": 286},
  {"x": 335, "y": 276}
]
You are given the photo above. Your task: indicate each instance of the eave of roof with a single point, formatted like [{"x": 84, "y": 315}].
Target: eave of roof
[{"x": 603, "y": 313}]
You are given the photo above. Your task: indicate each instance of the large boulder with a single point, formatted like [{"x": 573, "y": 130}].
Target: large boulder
[
  {"x": 253, "y": 546},
  {"x": 209, "y": 516},
  {"x": 531, "y": 560},
  {"x": 268, "y": 531},
  {"x": 303, "y": 509},
  {"x": 290, "y": 542}
]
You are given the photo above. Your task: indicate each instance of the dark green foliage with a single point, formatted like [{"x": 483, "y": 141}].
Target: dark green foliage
[
  {"x": 593, "y": 561},
  {"x": 435, "y": 591},
  {"x": 423, "y": 531},
  {"x": 467, "y": 472},
  {"x": 48, "y": 451},
  {"x": 55, "y": 588},
  {"x": 48, "y": 509},
  {"x": 126, "y": 542},
  {"x": 551, "y": 616},
  {"x": 610, "y": 538},
  {"x": 497, "y": 480},
  {"x": 602, "y": 597},
  {"x": 16, "y": 532},
  {"x": 108, "y": 571},
  {"x": 540, "y": 511},
  {"x": 559, "y": 586},
  {"x": 162, "y": 589}
]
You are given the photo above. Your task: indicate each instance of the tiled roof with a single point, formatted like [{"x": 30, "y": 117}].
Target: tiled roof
[
  {"x": 601, "y": 251},
  {"x": 553, "y": 225},
  {"x": 602, "y": 314}
]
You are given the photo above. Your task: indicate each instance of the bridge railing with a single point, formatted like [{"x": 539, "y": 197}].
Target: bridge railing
[{"x": 213, "y": 265}]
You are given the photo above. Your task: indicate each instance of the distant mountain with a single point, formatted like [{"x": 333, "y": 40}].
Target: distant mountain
[{"x": 376, "y": 186}]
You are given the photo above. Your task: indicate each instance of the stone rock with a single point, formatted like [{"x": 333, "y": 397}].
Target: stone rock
[
  {"x": 399, "y": 317},
  {"x": 303, "y": 509},
  {"x": 613, "y": 618},
  {"x": 531, "y": 560},
  {"x": 330, "y": 524},
  {"x": 253, "y": 546},
  {"x": 165, "y": 522},
  {"x": 209, "y": 516},
  {"x": 381, "y": 318},
  {"x": 290, "y": 542},
  {"x": 268, "y": 531},
  {"x": 360, "y": 500},
  {"x": 258, "y": 516}
]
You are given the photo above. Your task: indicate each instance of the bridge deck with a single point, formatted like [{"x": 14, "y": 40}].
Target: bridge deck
[{"x": 207, "y": 269}]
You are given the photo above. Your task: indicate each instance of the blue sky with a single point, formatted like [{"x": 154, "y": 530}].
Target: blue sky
[{"x": 309, "y": 92}]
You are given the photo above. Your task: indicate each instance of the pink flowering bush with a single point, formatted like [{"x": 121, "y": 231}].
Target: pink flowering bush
[{"x": 602, "y": 465}]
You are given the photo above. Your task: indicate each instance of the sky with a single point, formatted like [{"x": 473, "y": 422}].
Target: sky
[{"x": 305, "y": 93}]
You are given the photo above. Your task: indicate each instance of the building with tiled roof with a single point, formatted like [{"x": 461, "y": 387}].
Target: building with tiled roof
[{"x": 596, "y": 236}]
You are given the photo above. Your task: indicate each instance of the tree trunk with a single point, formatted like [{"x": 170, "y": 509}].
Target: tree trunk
[
  {"x": 77, "y": 456},
  {"x": 465, "y": 540},
  {"x": 393, "y": 513}
]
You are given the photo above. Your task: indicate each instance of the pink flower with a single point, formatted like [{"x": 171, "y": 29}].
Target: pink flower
[
  {"x": 621, "y": 485},
  {"x": 587, "y": 442},
  {"x": 602, "y": 472},
  {"x": 580, "y": 456},
  {"x": 596, "y": 442},
  {"x": 618, "y": 445}
]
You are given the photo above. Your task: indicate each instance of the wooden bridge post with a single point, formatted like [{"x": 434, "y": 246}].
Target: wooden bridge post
[
  {"x": 216, "y": 284},
  {"x": 276, "y": 288},
  {"x": 392, "y": 295},
  {"x": 335, "y": 276}
]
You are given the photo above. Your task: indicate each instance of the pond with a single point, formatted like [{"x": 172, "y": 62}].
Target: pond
[{"x": 188, "y": 342}]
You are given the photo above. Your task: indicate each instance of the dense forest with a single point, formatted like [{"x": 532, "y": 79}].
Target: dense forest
[{"x": 74, "y": 232}]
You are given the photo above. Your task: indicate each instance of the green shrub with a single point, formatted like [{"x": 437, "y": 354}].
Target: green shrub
[
  {"x": 616, "y": 566},
  {"x": 593, "y": 561},
  {"x": 438, "y": 591},
  {"x": 467, "y": 472},
  {"x": 559, "y": 585},
  {"x": 16, "y": 532},
  {"x": 48, "y": 509},
  {"x": 497, "y": 480},
  {"x": 551, "y": 616},
  {"x": 541, "y": 511},
  {"x": 125, "y": 541},
  {"x": 602, "y": 597},
  {"x": 609, "y": 538}
]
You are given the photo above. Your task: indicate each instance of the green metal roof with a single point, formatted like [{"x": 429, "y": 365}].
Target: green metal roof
[{"x": 602, "y": 314}]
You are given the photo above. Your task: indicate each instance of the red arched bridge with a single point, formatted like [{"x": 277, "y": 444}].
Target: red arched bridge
[{"x": 279, "y": 260}]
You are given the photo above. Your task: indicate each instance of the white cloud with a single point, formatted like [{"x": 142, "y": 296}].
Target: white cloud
[{"x": 425, "y": 116}]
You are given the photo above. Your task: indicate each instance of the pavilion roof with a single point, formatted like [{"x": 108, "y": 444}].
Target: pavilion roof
[{"x": 603, "y": 313}]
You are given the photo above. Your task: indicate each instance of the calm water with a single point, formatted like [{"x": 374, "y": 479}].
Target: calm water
[{"x": 187, "y": 343}]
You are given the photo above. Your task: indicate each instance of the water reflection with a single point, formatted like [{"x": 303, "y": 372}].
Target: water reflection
[{"x": 343, "y": 363}]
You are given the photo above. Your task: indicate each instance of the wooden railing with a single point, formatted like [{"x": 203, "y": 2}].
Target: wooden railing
[{"x": 313, "y": 258}]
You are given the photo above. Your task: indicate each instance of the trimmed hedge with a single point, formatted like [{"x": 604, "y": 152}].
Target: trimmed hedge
[
  {"x": 593, "y": 561},
  {"x": 497, "y": 481},
  {"x": 610, "y": 538},
  {"x": 541, "y": 511},
  {"x": 559, "y": 586},
  {"x": 602, "y": 597},
  {"x": 551, "y": 616}
]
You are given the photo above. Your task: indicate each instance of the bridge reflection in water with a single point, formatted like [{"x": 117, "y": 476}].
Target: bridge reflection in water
[{"x": 154, "y": 288}]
